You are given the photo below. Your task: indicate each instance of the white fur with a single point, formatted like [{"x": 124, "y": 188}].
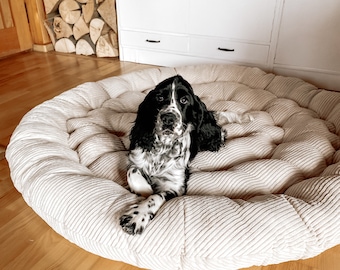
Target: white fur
[
  {"x": 163, "y": 162},
  {"x": 227, "y": 117},
  {"x": 160, "y": 174},
  {"x": 165, "y": 165},
  {"x": 138, "y": 183}
]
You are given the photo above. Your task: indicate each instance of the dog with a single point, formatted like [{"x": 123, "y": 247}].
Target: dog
[{"x": 171, "y": 127}]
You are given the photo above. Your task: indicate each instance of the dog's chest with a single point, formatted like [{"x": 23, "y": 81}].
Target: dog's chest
[{"x": 163, "y": 158}]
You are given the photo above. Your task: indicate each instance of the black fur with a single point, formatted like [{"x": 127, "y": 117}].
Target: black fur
[
  {"x": 171, "y": 127},
  {"x": 206, "y": 135}
]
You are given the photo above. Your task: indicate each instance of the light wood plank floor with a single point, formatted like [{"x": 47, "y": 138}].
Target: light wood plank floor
[{"x": 27, "y": 242}]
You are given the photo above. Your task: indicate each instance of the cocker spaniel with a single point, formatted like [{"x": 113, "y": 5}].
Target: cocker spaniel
[{"x": 171, "y": 127}]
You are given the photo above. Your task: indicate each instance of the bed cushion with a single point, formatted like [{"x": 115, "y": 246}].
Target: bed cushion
[{"x": 270, "y": 195}]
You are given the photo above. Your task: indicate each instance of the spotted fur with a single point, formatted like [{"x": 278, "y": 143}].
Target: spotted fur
[{"x": 171, "y": 127}]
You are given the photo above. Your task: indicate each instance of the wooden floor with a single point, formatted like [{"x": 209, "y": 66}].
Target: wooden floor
[{"x": 27, "y": 242}]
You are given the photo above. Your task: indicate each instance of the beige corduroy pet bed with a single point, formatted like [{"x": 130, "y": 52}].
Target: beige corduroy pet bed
[{"x": 270, "y": 195}]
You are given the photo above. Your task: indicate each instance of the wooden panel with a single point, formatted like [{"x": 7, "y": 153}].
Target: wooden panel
[
  {"x": 6, "y": 14},
  {"x": 14, "y": 28},
  {"x": 10, "y": 43},
  {"x": 36, "y": 15},
  {"x": 21, "y": 23},
  {"x": 2, "y": 26}
]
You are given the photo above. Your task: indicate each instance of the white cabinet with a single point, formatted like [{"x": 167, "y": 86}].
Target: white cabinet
[
  {"x": 290, "y": 37},
  {"x": 177, "y": 32},
  {"x": 309, "y": 42},
  {"x": 227, "y": 30}
]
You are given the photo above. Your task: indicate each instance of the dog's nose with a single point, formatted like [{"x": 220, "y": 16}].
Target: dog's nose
[{"x": 168, "y": 118}]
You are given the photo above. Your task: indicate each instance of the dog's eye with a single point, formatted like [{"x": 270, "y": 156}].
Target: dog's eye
[
  {"x": 183, "y": 100},
  {"x": 159, "y": 98}
]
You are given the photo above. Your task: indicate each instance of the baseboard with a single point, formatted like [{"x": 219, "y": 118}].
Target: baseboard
[
  {"x": 326, "y": 79},
  {"x": 43, "y": 48}
]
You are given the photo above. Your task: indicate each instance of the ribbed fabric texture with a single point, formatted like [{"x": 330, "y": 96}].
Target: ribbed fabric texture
[{"x": 271, "y": 194}]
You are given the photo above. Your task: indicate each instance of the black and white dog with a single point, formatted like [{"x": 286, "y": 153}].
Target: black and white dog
[{"x": 171, "y": 127}]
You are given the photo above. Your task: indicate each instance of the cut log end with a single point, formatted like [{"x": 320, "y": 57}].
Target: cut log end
[
  {"x": 70, "y": 11},
  {"x": 65, "y": 45},
  {"x": 83, "y": 47},
  {"x": 80, "y": 28},
  {"x": 61, "y": 28},
  {"x": 104, "y": 47}
]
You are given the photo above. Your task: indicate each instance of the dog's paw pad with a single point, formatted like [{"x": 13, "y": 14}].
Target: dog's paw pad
[
  {"x": 134, "y": 222},
  {"x": 127, "y": 226}
]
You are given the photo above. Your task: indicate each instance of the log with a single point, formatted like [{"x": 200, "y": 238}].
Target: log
[
  {"x": 90, "y": 26},
  {"x": 65, "y": 45},
  {"x": 51, "y": 5},
  {"x": 70, "y": 11},
  {"x": 61, "y": 28},
  {"x": 104, "y": 47},
  {"x": 49, "y": 26},
  {"x": 88, "y": 11},
  {"x": 107, "y": 11},
  {"x": 85, "y": 46},
  {"x": 113, "y": 38},
  {"x": 96, "y": 27},
  {"x": 80, "y": 28}
]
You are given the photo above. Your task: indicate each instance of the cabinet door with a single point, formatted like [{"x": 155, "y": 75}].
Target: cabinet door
[
  {"x": 153, "y": 15},
  {"x": 249, "y": 20},
  {"x": 310, "y": 35}
]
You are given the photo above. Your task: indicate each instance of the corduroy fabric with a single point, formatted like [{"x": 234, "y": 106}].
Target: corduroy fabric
[{"x": 271, "y": 194}]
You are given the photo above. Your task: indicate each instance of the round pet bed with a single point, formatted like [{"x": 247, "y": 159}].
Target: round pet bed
[{"x": 271, "y": 194}]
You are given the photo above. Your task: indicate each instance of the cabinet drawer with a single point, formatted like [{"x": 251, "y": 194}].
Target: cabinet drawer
[
  {"x": 229, "y": 50},
  {"x": 154, "y": 41}
]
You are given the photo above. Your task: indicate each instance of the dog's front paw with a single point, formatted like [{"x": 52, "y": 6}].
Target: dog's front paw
[
  {"x": 247, "y": 117},
  {"x": 138, "y": 183},
  {"x": 228, "y": 117},
  {"x": 135, "y": 219}
]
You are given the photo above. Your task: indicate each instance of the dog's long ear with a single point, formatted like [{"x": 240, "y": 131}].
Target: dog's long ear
[
  {"x": 142, "y": 133},
  {"x": 208, "y": 133}
]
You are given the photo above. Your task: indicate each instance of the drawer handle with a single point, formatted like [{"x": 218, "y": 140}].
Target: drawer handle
[
  {"x": 225, "y": 49},
  {"x": 153, "y": 41}
]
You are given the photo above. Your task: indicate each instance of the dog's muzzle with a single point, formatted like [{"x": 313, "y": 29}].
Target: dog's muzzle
[{"x": 169, "y": 123}]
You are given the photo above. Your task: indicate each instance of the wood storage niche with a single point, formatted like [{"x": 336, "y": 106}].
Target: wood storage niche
[{"x": 85, "y": 27}]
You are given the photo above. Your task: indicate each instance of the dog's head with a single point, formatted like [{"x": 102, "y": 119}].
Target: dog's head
[
  {"x": 168, "y": 111},
  {"x": 175, "y": 103}
]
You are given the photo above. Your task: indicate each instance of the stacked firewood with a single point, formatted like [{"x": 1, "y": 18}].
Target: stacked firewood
[{"x": 83, "y": 26}]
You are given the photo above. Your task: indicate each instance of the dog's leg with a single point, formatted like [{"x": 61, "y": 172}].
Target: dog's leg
[
  {"x": 137, "y": 216},
  {"x": 227, "y": 117},
  {"x": 138, "y": 183}
]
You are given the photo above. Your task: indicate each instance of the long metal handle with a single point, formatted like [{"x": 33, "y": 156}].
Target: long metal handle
[
  {"x": 225, "y": 49},
  {"x": 153, "y": 41}
]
